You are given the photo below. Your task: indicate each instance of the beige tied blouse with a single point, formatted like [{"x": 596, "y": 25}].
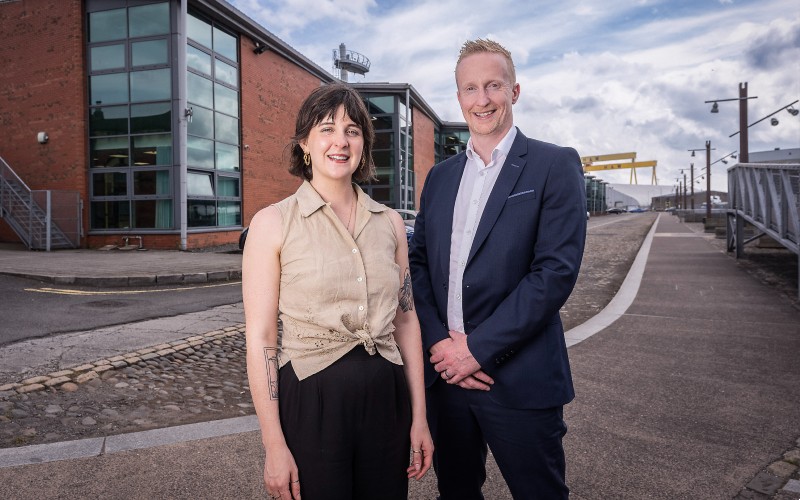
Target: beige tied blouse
[{"x": 336, "y": 291}]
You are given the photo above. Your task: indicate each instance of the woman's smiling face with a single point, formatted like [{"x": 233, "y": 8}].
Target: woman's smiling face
[{"x": 335, "y": 145}]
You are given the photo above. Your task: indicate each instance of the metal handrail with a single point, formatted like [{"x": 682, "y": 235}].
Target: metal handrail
[
  {"x": 5, "y": 170},
  {"x": 768, "y": 197},
  {"x": 33, "y": 224}
]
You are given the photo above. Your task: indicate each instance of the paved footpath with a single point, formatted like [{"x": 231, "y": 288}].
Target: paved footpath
[
  {"x": 687, "y": 387},
  {"x": 694, "y": 389}
]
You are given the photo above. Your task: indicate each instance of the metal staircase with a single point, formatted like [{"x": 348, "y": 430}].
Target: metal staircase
[{"x": 43, "y": 219}]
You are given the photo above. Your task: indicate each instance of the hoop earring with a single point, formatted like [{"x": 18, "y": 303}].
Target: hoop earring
[
  {"x": 307, "y": 158},
  {"x": 363, "y": 161}
]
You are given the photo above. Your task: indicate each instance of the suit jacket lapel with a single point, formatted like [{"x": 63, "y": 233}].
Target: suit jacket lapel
[{"x": 506, "y": 180}]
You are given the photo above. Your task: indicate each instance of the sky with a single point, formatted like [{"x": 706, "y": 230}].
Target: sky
[{"x": 602, "y": 76}]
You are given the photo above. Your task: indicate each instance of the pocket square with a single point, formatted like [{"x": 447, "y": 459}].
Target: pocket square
[{"x": 520, "y": 193}]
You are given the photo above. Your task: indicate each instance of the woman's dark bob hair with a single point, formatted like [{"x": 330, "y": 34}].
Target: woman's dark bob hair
[{"x": 321, "y": 104}]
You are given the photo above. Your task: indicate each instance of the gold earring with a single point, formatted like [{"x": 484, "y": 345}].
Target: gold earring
[
  {"x": 307, "y": 158},
  {"x": 363, "y": 161}
]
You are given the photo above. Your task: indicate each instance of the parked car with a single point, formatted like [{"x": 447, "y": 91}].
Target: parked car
[
  {"x": 407, "y": 215},
  {"x": 588, "y": 215},
  {"x": 615, "y": 210},
  {"x": 243, "y": 238}
]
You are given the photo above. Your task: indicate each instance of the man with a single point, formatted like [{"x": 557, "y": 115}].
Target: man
[{"x": 496, "y": 250}]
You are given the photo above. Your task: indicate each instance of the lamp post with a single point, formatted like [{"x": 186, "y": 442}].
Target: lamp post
[
  {"x": 684, "y": 191},
  {"x": 708, "y": 150},
  {"x": 708, "y": 179},
  {"x": 732, "y": 154},
  {"x": 743, "y": 148}
]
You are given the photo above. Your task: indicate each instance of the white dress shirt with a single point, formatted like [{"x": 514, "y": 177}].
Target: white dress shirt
[{"x": 476, "y": 185}]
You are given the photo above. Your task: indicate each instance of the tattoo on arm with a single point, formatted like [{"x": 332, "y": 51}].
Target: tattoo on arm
[
  {"x": 406, "y": 297},
  {"x": 271, "y": 357}
]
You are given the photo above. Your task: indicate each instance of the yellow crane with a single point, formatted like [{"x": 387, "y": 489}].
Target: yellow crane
[{"x": 589, "y": 164}]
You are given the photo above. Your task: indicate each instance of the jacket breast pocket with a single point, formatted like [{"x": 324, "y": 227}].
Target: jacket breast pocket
[{"x": 521, "y": 196}]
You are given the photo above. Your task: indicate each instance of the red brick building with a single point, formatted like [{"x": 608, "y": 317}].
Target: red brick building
[{"x": 168, "y": 121}]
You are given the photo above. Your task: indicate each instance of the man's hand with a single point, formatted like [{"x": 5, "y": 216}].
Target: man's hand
[{"x": 452, "y": 359}]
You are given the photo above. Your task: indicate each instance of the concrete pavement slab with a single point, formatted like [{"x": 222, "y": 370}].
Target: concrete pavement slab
[{"x": 67, "y": 450}]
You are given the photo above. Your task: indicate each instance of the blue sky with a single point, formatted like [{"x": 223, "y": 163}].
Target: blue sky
[{"x": 603, "y": 76}]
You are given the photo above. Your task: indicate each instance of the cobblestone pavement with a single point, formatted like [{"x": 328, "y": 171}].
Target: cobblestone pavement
[{"x": 203, "y": 378}]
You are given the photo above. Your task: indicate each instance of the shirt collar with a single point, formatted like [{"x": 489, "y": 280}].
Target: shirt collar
[
  {"x": 503, "y": 147},
  {"x": 309, "y": 200}
]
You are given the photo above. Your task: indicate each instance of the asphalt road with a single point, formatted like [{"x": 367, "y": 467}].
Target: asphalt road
[{"x": 35, "y": 309}]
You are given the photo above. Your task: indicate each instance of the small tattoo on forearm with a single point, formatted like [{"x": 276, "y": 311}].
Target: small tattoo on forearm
[
  {"x": 271, "y": 357},
  {"x": 406, "y": 298}
]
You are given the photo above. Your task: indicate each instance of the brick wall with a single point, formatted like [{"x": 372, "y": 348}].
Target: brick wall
[
  {"x": 273, "y": 89},
  {"x": 424, "y": 150},
  {"x": 42, "y": 89}
]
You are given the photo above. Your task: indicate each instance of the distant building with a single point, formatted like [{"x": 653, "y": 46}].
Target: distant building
[
  {"x": 718, "y": 199},
  {"x": 791, "y": 155}
]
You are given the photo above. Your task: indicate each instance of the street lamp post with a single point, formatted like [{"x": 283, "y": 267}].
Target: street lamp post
[
  {"x": 691, "y": 176},
  {"x": 708, "y": 178},
  {"x": 708, "y": 150},
  {"x": 684, "y": 191},
  {"x": 743, "y": 148}
]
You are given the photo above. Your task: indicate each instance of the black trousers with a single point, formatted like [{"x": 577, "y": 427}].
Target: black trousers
[
  {"x": 526, "y": 445},
  {"x": 348, "y": 428}
]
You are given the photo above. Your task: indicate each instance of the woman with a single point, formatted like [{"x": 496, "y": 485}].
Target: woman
[{"x": 339, "y": 393}]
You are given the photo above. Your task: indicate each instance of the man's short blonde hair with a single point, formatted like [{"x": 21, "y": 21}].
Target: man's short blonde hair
[{"x": 481, "y": 45}]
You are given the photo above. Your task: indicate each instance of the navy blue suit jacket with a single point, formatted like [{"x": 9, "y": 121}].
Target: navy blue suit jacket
[{"x": 521, "y": 268}]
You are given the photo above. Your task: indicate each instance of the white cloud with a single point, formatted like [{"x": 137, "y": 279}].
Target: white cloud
[{"x": 627, "y": 77}]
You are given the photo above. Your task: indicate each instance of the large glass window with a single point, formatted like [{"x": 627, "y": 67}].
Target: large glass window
[
  {"x": 149, "y": 53},
  {"x": 107, "y": 25},
  {"x": 107, "y": 57},
  {"x": 108, "y": 120},
  {"x": 392, "y": 150},
  {"x": 133, "y": 164},
  {"x": 130, "y": 117},
  {"x": 214, "y": 143},
  {"x": 153, "y": 85},
  {"x": 109, "y": 89},
  {"x": 150, "y": 118},
  {"x": 148, "y": 20}
]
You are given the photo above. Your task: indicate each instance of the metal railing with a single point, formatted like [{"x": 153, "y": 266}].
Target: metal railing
[
  {"x": 43, "y": 219},
  {"x": 768, "y": 197}
]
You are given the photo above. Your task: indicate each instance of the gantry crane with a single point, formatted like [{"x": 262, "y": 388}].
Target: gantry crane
[{"x": 589, "y": 164}]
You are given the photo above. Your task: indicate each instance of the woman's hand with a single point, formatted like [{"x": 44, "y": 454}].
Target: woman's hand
[
  {"x": 421, "y": 450},
  {"x": 280, "y": 474}
]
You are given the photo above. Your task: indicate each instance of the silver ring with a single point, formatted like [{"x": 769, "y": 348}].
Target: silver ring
[{"x": 447, "y": 375}]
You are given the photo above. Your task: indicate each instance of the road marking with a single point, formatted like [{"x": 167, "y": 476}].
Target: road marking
[
  {"x": 617, "y": 219},
  {"x": 62, "y": 291}
]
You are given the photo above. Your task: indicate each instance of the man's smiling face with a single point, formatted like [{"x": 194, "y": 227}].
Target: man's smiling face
[{"x": 486, "y": 95}]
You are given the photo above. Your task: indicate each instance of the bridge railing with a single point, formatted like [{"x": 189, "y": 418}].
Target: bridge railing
[{"x": 768, "y": 197}]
